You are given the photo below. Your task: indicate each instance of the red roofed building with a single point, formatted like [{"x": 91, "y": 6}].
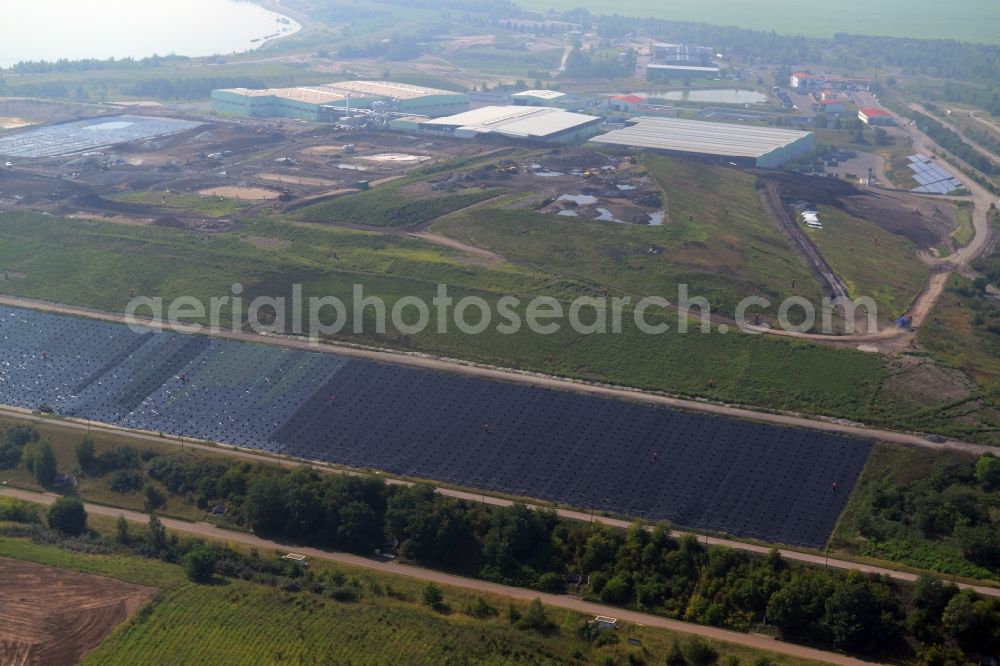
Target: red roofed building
[
  {"x": 626, "y": 102},
  {"x": 871, "y": 115}
]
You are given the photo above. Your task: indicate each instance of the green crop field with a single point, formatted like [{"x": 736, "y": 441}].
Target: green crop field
[
  {"x": 234, "y": 621},
  {"x": 872, "y": 262},
  {"x": 964, "y": 20}
]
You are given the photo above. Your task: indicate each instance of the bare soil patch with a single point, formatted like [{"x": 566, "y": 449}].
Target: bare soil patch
[
  {"x": 920, "y": 381},
  {"x": 53, "y": 616},
  {"x": 244, "y": 193},
  {"x": 11, "y": 122},
  {"x": 298, "y": 180}
]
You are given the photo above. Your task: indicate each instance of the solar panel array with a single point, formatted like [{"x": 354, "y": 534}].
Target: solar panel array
[
  {"x": 84, "y": 135},
  {"x": 933, "y": 178},
  {"x": 695, "y": 470}
]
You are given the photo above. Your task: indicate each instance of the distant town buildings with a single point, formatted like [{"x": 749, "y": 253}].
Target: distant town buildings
[
  {"x": 807, "y": 82},
  {"x": 667, "y": 60}
]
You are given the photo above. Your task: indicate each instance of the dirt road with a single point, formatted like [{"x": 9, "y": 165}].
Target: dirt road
[
  {"x": 555, "y": 601},
  {"x": 427, "y": 362},
  {"x": 570, "y": 514}
]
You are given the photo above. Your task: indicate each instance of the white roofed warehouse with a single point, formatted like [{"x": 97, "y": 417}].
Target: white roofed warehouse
[
  {"x": 743, "y": 144},
  {"x": 327, "y": 102},
  {"x": 544, "y": 124}
]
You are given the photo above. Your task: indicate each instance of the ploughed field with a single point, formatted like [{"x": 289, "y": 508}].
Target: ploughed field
[{"x": 696, "y": 470}]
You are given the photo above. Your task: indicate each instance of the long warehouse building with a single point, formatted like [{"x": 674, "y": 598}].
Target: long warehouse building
[
  {"x": 326, "y": 102},
  {"x": 542, "y": 124},
  {"x": 745, "y": 144}
]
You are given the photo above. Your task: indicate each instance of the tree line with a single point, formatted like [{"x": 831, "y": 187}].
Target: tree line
[{"x": 643, "y": 567}]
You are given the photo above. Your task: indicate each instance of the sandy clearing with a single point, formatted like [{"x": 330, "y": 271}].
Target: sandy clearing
[
  {"x": 243, "y": 193},
  {"x": 9, "y": 122},
  {"x": 297, "y": 180}
]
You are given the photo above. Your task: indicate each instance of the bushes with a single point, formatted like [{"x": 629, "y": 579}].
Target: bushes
[
  {"x": 68, "y": 516},
  {"x": 40, "y": 460},
  {"x": 125, "y": 481},
  {"x": 18, "y": 511}
]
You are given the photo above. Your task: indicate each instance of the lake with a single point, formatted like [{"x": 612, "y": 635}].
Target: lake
[
  {"x": 712, "y": 96},
  {"x": 54, "y": 29}
]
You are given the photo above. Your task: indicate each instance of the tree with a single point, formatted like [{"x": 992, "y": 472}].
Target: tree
[
  {"x": 121, "y": 531},
  {"x": 265, "y": 504},
  {"x": 199, "y": 564},
  {"x": 40, "y": 460},
  {"x": 433, "y": 595},
  {"x": 68, "y": 516},
  {"x": 158, "y": 536},
  {"x": 86, "y": 454},
  {"x": 882, "y": 137}
]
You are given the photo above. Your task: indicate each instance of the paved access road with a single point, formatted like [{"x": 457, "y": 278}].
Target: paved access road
[
  {"x": 553, "y": 600},
  {"x": 570, "y": 514}
]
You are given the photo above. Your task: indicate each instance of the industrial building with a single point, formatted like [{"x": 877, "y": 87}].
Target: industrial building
[
  {"x": 680, "y": 61},
  {"x": 538, "y": 98},
  {"x": 543, "y": 124},
  {"x": 872, "y": 115},
  {"x": 742, "y": 144},
  {"x": 329, "y": 102}
]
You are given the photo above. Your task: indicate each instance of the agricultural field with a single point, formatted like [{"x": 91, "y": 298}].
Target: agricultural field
[
  {"x": 190, "y": 623},
  {"x": 49, "y": 615},
  {"x": 966, "y": 20},
  {"x": 626, "y": 458}
]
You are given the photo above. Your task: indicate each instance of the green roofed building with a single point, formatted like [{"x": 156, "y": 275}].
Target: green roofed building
[{"x": 327, "y": 103}]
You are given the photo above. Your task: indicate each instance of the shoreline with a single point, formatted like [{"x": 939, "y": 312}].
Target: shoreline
[{"x": 296, "y": 24}]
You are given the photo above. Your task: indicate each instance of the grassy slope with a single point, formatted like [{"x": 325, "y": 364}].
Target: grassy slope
[
  {"x": 886, "y": 269},
  {"x": 386, "y": 206},
  {"x": 716, "y": 240},
  {"x": 211, "y": 206},
  {"x": 97, "y": 264},
  {"x": 965, "y": 20},
  {"x": 234, "y": 620}
]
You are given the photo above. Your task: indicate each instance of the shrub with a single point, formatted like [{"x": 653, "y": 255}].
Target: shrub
[
  {"x": 535, "y": 618},
  {"x": 480, "y": 609},
  {"x": 699, "y": 653},
  {"x": 552, "y": 582},
  {"x": 17, "y": 510},
  {"x": 344, "y": 594},
  {"x": 154, "y": 498},
  {"x": 68, "y": 516},
  {"x": 199, "y": 564},
  {"x": 125, "y": 481},
  {"x": 433, "y": 595}
]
